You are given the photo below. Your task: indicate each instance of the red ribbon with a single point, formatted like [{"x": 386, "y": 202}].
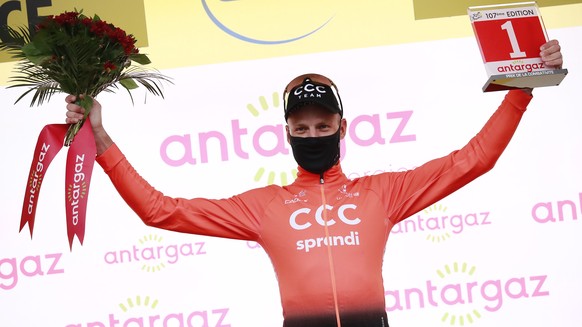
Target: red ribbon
[
  {"x": 50, "y": 142},
  {"x": 79, "y": 168},
  {"x": 80, "y": 160}
]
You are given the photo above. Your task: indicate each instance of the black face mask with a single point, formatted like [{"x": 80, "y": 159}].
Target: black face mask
[{"x": 316, "y": 154}]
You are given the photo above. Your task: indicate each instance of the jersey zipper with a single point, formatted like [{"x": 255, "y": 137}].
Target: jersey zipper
[{"x": 329, "y": 254}]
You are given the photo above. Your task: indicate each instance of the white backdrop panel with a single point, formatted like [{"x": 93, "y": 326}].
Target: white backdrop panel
[{"x": 524, "y": 267}]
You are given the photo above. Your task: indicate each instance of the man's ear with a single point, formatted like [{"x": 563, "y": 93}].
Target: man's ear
[
  {"x": 343, "y": 128},
  {"x": 288, "y": 135}
]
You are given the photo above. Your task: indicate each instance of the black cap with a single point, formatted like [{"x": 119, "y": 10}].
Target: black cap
[{"x": 310, "y": 92}]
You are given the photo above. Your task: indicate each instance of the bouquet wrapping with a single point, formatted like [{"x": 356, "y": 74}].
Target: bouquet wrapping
[{"x": 74, "y": 54}]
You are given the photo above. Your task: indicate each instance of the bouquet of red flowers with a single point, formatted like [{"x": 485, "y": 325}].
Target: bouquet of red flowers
[
  {"x": 82, "y": 56},
  {"x": 78, "y": 55}
]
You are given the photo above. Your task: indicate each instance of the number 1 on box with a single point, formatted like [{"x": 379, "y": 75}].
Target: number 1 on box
[{"x": 517, "y": 53}]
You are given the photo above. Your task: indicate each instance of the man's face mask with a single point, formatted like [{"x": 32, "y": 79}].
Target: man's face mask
[{"x": 316, "y": 154}]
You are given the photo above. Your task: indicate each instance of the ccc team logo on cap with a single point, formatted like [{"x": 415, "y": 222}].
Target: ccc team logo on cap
[{"x": 309, "y": 90}]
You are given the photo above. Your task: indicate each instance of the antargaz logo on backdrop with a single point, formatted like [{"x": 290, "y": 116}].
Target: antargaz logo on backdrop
[
  {"x": 189, "y": 149},
  {"x": 439, "y": 225},
  {"x": 12, "y": 270},
  {"x": 152, "y": 254},
  {"x": 462, "y": 297},
  {"x": 137, "y": 311},
  {"x": 557, "y": 211}
]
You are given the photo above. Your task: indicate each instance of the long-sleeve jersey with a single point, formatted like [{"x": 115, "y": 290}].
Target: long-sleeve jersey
[{"x": 326, "y": 240}]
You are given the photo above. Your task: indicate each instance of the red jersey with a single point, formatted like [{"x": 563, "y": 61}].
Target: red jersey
[{"x": 326, "y": 241}]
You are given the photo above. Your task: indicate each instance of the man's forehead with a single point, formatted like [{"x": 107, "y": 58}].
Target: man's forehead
[{"x": 313, "y": 110}]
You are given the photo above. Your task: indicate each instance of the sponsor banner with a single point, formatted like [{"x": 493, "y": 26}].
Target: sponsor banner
[
  {"x": 425, "y": 9},
  {"x": 28, "y": 13},
  {"x": 191, "y": 33}
]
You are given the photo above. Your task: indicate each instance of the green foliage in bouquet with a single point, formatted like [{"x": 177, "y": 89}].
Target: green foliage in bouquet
[{"x": 75, "y": 54}]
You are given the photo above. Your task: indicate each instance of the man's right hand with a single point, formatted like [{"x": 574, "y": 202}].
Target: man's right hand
[{"x": 75, "y": 113}]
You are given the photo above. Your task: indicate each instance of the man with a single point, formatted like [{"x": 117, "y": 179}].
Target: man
[{"x": 325, "y": 234}]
